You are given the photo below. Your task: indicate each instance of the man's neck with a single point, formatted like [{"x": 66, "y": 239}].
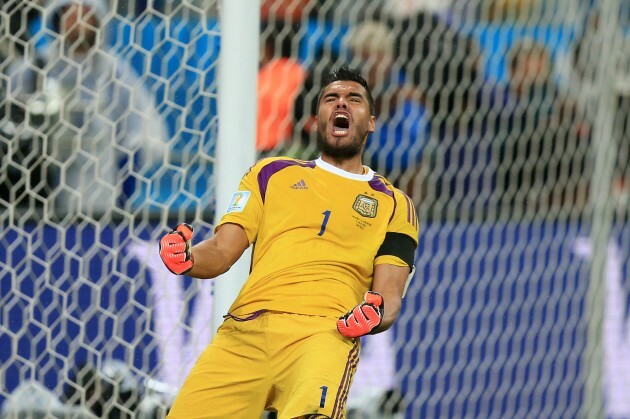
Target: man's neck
[{"x": 351, "y": 165}]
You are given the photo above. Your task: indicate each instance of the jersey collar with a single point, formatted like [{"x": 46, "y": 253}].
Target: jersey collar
[{"x": 354, "y": 176}]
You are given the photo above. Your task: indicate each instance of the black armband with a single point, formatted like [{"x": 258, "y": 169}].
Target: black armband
[{"x": 399, "y": 245}]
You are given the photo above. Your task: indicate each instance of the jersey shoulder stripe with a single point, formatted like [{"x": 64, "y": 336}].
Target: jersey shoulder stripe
[
  {"x": 380, "y": 184},
  {"x": 273, "y": 166},
  {"x": 412, "y": 215}
]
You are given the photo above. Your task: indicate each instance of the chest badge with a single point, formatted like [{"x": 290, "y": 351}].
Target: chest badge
[{"x": 365, "y": 206}]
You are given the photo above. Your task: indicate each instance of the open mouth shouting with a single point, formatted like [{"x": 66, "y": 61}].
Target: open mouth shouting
[{"x": 340, "y": 124}]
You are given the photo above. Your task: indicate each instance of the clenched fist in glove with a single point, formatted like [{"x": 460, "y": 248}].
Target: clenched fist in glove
[
  {"x": 175, "y": 249},
  {"x": 362, "y": 319}
]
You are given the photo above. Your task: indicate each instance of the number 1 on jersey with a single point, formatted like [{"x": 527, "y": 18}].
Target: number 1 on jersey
[
  {"x": 326, "y": 217},
  {"x": 324, "y": 389}
]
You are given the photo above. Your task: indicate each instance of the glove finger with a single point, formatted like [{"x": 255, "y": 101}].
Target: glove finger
[
  {"x": 186, "y": 231},
  {"x": 342, "y": 327},
  {"x": 358, "y": 316},
  {"x": 172, "y": 237},
  {"x": 168, "y": 254},
  {"x": 345, "y": 316},
  {"x": 373, "y": 298},
  {"x": 174, "y": 247},
  {"x": 178, "y": 248},
  {"x": 371, "y": 313},
  {"x": 348, "y": 331}
]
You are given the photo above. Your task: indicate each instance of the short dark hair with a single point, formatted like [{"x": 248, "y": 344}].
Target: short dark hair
[{"x": 345, "y": 73}]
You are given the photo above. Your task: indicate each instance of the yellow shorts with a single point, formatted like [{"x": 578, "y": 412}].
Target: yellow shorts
[{"x": 290, "y": 363}]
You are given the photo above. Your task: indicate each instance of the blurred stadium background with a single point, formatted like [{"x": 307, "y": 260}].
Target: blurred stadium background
[{"x": 506, "y": 121}]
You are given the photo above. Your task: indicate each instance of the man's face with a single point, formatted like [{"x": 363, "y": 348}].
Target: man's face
[
  {"x": 78, "y": 27},
  {"x": 343, "y": 119}
]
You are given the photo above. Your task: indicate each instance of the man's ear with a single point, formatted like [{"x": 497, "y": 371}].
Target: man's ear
[{"x": 372, "y": 124}]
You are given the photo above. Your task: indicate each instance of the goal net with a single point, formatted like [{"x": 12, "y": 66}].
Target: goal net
[
  {"x": 499, "y": 119},
  {"x": 108, "y": 127},
  {"x": 506, "y": 122}
]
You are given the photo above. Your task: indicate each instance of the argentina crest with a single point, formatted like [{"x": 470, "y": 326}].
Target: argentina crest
[{"x": 366, "y": 206}]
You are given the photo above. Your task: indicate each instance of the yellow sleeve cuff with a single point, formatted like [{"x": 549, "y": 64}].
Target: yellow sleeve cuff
[{"x": 389, "y": 260}]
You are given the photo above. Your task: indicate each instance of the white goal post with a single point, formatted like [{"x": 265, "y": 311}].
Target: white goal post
[{"x": 236, "y": 151}]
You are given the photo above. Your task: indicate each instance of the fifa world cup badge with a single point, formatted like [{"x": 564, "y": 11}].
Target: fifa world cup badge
[{"x": 238, "y": 202}]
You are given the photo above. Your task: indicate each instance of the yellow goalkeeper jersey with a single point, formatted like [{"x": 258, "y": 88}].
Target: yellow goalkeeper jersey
[{"x": 316, "y": 231}]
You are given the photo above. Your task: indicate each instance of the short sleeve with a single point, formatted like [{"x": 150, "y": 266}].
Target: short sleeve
[
  {"x": 246, "y": 205},
  {"x": 403, "y": 227}
]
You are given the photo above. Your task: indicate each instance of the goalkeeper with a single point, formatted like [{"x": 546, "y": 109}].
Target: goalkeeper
[{"x": 334, "y": 249}]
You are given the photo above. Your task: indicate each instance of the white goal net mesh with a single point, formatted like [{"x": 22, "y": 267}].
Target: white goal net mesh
[
  {"x": 107, "y": 136},
  {"x": 502, "y": 120},
  {"x": 489, "y": 115}
]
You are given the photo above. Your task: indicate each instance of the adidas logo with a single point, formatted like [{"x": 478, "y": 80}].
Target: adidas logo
[{"x": 300, "y": 185}]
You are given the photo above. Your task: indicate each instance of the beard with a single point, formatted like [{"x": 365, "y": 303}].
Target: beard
[{"x": 339, "y": 151}]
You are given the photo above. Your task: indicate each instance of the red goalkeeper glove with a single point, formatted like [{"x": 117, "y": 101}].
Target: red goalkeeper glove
[
  {"x": 175, "y": 249},
  {"x": 362, "y": 319}
]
